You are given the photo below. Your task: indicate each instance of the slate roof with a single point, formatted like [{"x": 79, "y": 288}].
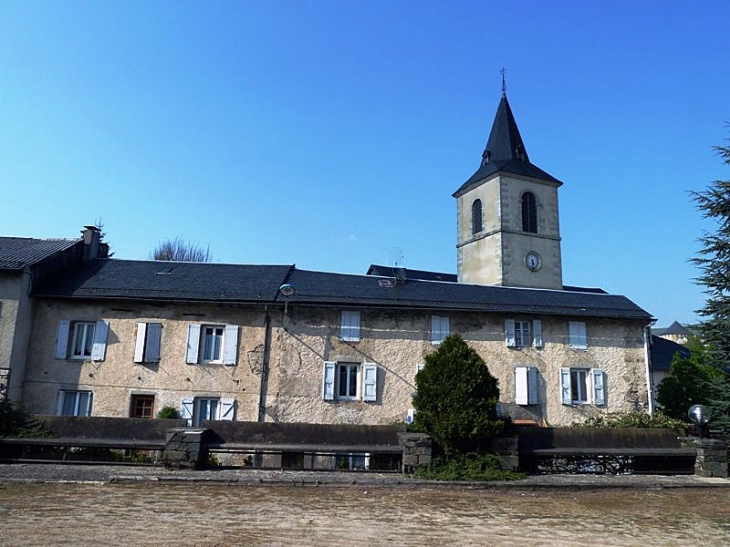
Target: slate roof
[
  {"x": 677, "y": 329},
  {"x": 159, "y": 280},
  {"x": 663, "y": 351},
  {"x": 389, "y": 271},
  {"x": 425, "y": 275},
  {"x": 174, "y": 281},
  {"x": 18, "y": 252},
  {"x": 358, "y": 290},
  {"x": 505, "y": 152}
]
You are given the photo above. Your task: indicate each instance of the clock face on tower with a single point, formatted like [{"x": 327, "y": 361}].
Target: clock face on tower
[{"x": 533, "y": 262}]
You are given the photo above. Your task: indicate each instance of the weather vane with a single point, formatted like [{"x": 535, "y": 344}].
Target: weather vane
[{"x": 503, "y": 71}]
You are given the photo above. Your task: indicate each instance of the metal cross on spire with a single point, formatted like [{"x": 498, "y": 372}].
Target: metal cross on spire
[{"x": 503, "y": 71}]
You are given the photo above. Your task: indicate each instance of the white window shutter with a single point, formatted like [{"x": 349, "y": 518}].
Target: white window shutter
[
  {"x": 509, "y": 333},
  {"x": 62, "y": 339},
  {"x": 350, "y": 326},
  {"x": 565, "y": 386},
  {"x": 532, "y": 398},
  {"x": 85, "y": 410},
  {"x": 328, "y": 381},
  {"x": 537, "y": 333},
  {"x": 153, "y": 343},
  {"x": 599, "y": 390},
  {"x": 193, "y": 344},
  {"x": 440, "y": 328},
  {"x": 140, "y": 343},
  {"x": 419, "y": 367},
  {"x": 578, "y": 338},
  {"x": 521, "y": 387},
  {"x": 98, "y": 350},
  {"x": 369, "y": 382},
  {"x": 228, "y": 410},
  {"x": 186, "y": 409},
  {"x": 59, "y": 402},
  {"x": 355, "y": 326},
  {"x": 230, "y": 345}
]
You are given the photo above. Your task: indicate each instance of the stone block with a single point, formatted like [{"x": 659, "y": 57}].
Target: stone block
[
  {"x": 410, "y": 460},
  {"x": 424, "y": 460}
]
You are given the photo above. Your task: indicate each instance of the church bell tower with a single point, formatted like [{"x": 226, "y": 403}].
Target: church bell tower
[{"x": 507, "y": 215}]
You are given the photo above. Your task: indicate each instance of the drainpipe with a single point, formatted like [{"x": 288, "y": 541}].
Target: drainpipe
[
  {"x": 265, "y": 366},
  {"x": 647, "y": 360}
]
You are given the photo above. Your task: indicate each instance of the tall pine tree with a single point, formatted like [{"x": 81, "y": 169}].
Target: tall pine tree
[{"x": 714, "y": 263}]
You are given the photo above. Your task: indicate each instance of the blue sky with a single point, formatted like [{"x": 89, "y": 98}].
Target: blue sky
[{"x": 327, "y": 133}]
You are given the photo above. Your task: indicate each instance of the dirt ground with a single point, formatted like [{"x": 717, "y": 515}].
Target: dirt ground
[{"x": 149, "y": 513}]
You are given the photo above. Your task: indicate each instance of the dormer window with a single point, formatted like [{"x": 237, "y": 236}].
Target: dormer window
[
  {"x": 476, "y": 217},
  {"x": 529, "y": 213}
]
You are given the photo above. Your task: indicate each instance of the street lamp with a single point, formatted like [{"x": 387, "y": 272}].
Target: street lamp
[{"x": 700, "y": 416}]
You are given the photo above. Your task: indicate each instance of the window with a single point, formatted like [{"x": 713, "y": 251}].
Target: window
[
  {"x": 352, "y": 460},
  {"x": 523, "y": 334},
  {"x": 214, "y": 344},
  {"x": 142, "y": 406},
  {"x": 199, "y": 409},
  {"x": 349, "y": 381},
  {"x": 350, "y": 326},
  {"x": 476, "y": 217},
  {"x": 582, "y": 386},
  {"x": 74, "y": 403},
  {"x": 529, "y": 213},
  {"x": 147, "y": 348},
  {"x": 526, "y": 385},
  {"x": 578, "y": 337},
  {"x": 81, "y": 340},
  {"x": 439, "y": 329}
]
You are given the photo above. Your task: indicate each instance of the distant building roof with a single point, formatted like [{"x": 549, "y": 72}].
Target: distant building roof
[
  {"x": 18, "y": 252},
  {"x": 677, "y": 329},
  {"x": 663, "y": 351}
]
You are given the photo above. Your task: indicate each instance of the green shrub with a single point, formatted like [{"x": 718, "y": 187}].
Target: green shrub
[
  {"x": 632, "y": 419},
  {"x": 14, "y": 422},
  {"x": 168, "y": 413},
  {"x": 456, "y": 399},
  {"x": 468, "y": 467}
]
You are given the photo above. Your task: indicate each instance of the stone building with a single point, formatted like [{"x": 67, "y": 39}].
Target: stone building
[{"x": 276, "y": 343}]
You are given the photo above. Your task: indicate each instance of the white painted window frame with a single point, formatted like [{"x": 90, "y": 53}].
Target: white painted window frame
[
  {"x": 81, "y": 407},
  {"x": 578, "y": 335}
]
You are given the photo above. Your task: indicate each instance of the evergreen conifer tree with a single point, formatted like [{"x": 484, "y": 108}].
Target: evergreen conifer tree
[{"x": 714, "y": 263}]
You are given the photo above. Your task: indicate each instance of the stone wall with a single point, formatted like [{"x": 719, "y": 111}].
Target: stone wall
[
  {"x": 417, "y": 449},
  {"x": 712, "y": 456},
  {"x": 185, "y": 448}
]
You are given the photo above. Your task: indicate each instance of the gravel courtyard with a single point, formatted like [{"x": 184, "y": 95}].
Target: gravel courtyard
[{"x": 266, "y": 511}]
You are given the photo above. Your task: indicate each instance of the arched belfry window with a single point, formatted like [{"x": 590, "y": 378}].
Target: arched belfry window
[
  {"x": 529, "y": 213},
  {"x": 476, "y": 217}
]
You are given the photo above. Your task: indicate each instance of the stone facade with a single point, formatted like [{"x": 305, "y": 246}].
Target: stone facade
[
  {"x": 301, "y": 341},
  {"x": 117, "y": 378}
]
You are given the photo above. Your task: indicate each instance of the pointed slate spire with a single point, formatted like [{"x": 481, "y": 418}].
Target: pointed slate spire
[
  {"x": 505, "y": 152},
  {"x": 505, "y": 142}
]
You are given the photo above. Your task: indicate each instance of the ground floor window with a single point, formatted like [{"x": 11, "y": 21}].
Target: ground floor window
[
  {"x": 200, "y": 409},
  {"x": 581, "y": 386},
  {"x": 205, "y": 409},
  {"x": 74, "y": 403},
  {"x": 142, "y": 406},
  {"x": 351, "y": 460}
]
